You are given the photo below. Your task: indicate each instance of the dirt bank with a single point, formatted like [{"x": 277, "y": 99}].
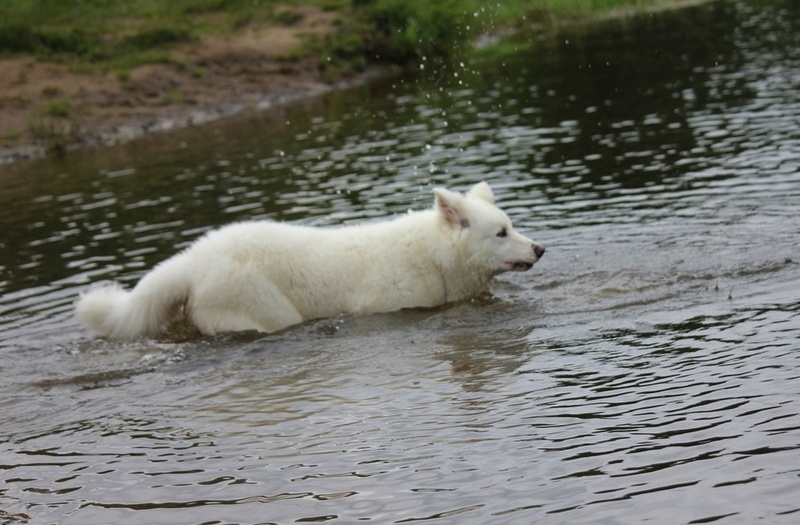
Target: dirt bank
[{"x": 46, "y": 105}]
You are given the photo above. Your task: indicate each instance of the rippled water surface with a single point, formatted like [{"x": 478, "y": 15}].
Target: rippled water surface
[{"x": 646, "y": 371}]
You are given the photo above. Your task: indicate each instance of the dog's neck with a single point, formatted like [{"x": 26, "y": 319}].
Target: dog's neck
[{"x": 471, "y": 278}]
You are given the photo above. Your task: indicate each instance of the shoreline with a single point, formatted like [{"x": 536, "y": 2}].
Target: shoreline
[
  {"x": 48, "y": 108},
  {"x": 145, "y": 124}
]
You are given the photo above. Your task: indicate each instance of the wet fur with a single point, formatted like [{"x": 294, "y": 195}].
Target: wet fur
[{"x": 266, "y": 275}]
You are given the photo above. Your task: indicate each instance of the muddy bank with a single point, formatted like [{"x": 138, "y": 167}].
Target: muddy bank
[
  {"x": 159, "y": 98},
  {"x": 133, "y": 114}
]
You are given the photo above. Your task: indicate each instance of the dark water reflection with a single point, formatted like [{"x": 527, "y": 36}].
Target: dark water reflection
[{"x": 646, "y": 370}]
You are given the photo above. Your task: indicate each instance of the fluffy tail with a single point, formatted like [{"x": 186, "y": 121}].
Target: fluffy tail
[{"x": 109, "y": 311}]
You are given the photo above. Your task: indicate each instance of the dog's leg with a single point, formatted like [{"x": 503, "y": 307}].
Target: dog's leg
[{"x": 260, "y": 307}]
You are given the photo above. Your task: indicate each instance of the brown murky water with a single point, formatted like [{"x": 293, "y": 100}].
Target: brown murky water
[{"x": 647, "y": 369}]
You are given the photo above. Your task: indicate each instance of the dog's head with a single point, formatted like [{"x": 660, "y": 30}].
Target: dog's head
[{"x": 484, "y": 231}]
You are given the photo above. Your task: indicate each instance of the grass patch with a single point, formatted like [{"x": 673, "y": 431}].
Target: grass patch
[
  {"x": 18, "y": 38},
  {"x": 84, "y": 45},
  {"x": 11, "y": 135},
  {"x": 409, "y": 30},
  {"x": 56, "y": 126},
  {"x": 58, "y": 109},
  {"x": 396, "y": 32},
  {"x": 403, "y": 31}
]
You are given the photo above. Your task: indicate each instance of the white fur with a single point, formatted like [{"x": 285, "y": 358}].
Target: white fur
[{"x": 266, "y": 275}]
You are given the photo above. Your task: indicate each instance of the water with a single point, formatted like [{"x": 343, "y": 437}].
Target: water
[{"x": 646, "y": 370}]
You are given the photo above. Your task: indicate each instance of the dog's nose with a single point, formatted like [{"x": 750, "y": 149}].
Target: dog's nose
[{"x": 538, "y": 249}]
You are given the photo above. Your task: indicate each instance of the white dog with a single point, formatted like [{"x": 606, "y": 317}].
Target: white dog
[{"x": 266, "y": 275}]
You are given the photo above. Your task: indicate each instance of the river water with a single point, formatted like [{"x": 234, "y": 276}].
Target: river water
[{"x": 646, "y": 370}]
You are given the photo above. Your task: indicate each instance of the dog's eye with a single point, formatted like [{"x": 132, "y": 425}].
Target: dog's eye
[{"x": 502, "y": 233}]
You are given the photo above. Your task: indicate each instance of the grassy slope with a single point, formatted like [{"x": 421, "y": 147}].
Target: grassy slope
[{"x": 117, "y": 34}]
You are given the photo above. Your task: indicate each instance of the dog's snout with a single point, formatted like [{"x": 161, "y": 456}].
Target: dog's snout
[{"x": 538, "y": 249}]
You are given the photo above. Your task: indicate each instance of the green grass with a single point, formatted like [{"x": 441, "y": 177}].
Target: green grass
[
  {"x": 108, "y": 31},
  {"x": 402, "y": 31},
  {"x": 409, "y": 29},
  {"x": 119, "y": 34}
]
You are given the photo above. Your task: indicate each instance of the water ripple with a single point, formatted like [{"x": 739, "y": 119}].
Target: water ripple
[{"x": 646, "y": 370}]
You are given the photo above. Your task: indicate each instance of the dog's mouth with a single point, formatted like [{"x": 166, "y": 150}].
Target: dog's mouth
[{"x": 518, "y": 266}]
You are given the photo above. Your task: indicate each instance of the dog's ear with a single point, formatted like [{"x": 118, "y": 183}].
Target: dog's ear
[
  {"x": 451, "y": 205},
  {"x": 482, "y": 191}
]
